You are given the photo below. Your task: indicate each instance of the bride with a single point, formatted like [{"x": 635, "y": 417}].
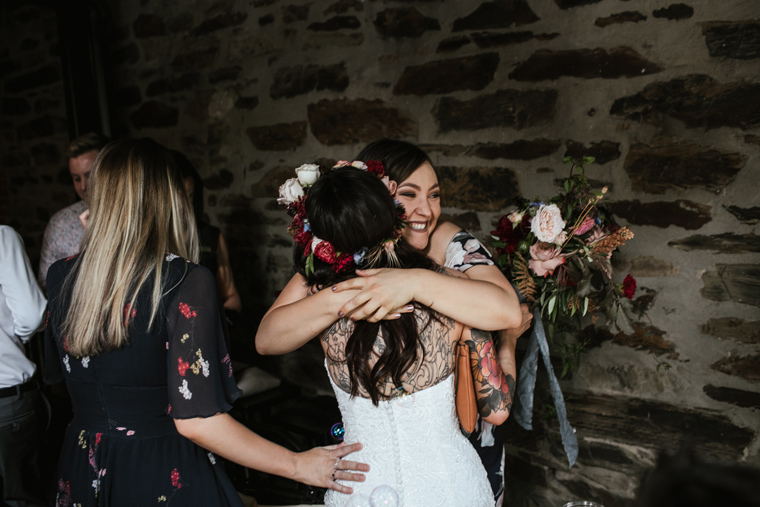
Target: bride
[{"x": 393, "y": 379}]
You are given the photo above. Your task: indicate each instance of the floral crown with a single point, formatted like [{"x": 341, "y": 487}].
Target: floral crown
[{"x": 293, "y": 195}]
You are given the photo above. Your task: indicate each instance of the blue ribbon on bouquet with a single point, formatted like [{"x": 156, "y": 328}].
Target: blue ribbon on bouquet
[{"x": 526, "y": 385}]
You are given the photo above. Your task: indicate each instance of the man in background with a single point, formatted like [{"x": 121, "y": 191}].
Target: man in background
[
  {"x": 23, "y": 412},
  {"x": 64, "y": 231}
]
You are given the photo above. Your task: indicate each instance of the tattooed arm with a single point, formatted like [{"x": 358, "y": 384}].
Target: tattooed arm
[{"x": 493, "y": 388}]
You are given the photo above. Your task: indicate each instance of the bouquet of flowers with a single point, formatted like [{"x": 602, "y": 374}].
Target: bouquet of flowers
[{"x": 558, "y": 254}]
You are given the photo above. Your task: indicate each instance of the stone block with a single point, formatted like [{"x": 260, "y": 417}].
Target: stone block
[
  {"x": 44, "y": 126},
  {"x": 343, "y": 6},
  {"x": 648, "y": 266},
  {"x": 45, "y": 154},
  {"x": 148, "y": 25},
  {"x": 740, "y": 330},
  {"x": 268, "y": 186},
  {"x": 46, "y": 75},
  {"x": 674, "y": 12},
  {"x": 487, "y": 40},
  {"x": 336, "y": 23},
  {"x": 446, "y": 76},
  {"x": 521, "y": 149},
  {"x": 335, "y": 122},
  {"x": 154, "y": 114},
  {"x": 225, "y": 18},
  {"x": 749, "y": 216},
  {"x": 247, "y": 103},
  {"x": 176, "y": 84},
  {"x": 181, "y": 23},
  {"x": 569, "y": 4},
  {"x": 293, "y": 13},
  {"x": 727, "y": 243},
  {"x": 490, "y": 15},
  {"x": 230, "y": 73},
  {"x": 319, "y": 41},
  {"x": 733, "y": 39},
  {"x": 195, "y": 57},
  {"x": 128, "y": 54},
  {"x": 478, "y": 188},
  {"x": 266, "y": 20},
  {"x": 746, "y": 367},
  {"x": 602, "y": 151},
  {"x": 128, "y": 96},
  {"x": 280, "y": 137},
  {"x": 299, "y": 80},
  {"x": 738, "y": 397},
  {"x": 733, "y": 282},
  {"x": 680, "y": 213},
  {"x": 402, "y": 22},
  {"x": 13, "y": 106},
  {"x": 221, "y": 180},
  {"x": 619, "y": 18},
  {"x": 680, "y": 166},
  {"x": 699, "y": 101},
  {"x": 519, "y": 109},
  {"x": 614, "y": 63},
  {"x": 452, "y": 44}
]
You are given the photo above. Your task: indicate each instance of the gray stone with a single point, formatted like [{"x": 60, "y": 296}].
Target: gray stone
[
  {"x": 733, "y": 282},
  {"x": 602, "y": 151},
  {"x": 335, "y": 122},
  {"x": 403, "y": 22},
  {"x": 727, "y": 243},
  {"x": 746, "y": 367},
  {"x": 478, "y": 188},
  {"x": 176, "y": 84},
  {"x": 680, "y": 213},
  {"x": 518, "y": 109},
  {"x": 620, "y": 17},
  {"x": 154, "y": 114},
  {"x": 247, "y": 103},
  {"x": 222, "y": 19},
  {"x": 294, "y": 13},
  {"x": 487, "y": 40},
  {"x": 148, "y": 25},
  {"x": 749, "y": 216},
  {"x": 45, "y": 75},
  {"x": 320, "y": 41},
  {"x": 222, "y": 179},
  {"x": 569, "y": 4},
  {"x": 452, "y": 44},
  {"x": 230, "y": 73},
  {"x": 649, "y": 266},
  {"x": 446, "y": 76},
  {"x": 615, "y": 63},
  {"x": 336, "y": 23},
  {"x": 738, "y": 397},
  {"x": 740, "y": 330},
  {"x": 733, "y": 39},
  {"x": 519, "y": 150},
  {"x": 299, "y": 80},
  {"x": 497, "y": 15},
  {"x": 674, "y": 12},
  {"x": 280, "y": 137}
]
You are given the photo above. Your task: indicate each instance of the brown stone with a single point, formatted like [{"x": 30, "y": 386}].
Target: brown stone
[
  {"x": 293, "y": 13},
  {"x": 292, "y": 81},
  {"x": 657, "y": 169},
  {"x": 266, "y": 20},
  {"x": 733, "y": 282},
  {"x": 518, "y": 150},
  {"x": 219, "y": 21},
  {"x": 680, "y": 213},
  {"x": 402, "y": 22},
  {"x": 751, "y": 139},
  {"x": 44, "y": 126},
  {"x": 336, "y": 23},
  {"x": 154, "y": 114},
  {"x": 247, "y": 103},
  {"x": 518, "y": 109},
  {"x": 319, "y": 41},
  {"x": 486, "y": 40},
  {"x": 740, "y": 330},
  {"x": 619, "y": 18},
  {"x": 615, "y": 63},
  {"x": 746, "y": 367},
  {"x": 478, "y": 188},
  {"x": 727, "y": 242},
  {"x": 343, "y": 6},
  {"x": 173, "y": 84},
  {"x": 280, "y": 137},
  {"x": 45, "y": 154},
  {"x": 192, "y": 58},
  {"x": 343, "y": 121},
  {"x": 697, "y": 100},
  {"x": 452, "y": 44},
  {"x": 569, "y": 4},
  {"x": 268, "y": 186},
  {"x": 14, "y": 106},
  {"x": 181, "y": 23},
  {"x": 45, "y": 75},
  {"x": 446, "y": 76},
  {"x": 749, "y": 216},
  {"x": 733, "y": 39},
  {"x": 221, "y": 180},
  {"x": 128, "y": 54},
  {"x": 738, "y": 397},
  {"x": 644, "y": 337},
  {"x": 128, "y": 96},
  {"x": 648, "y": 266},
  {"x": 602, "y": 151},
  {"x": 491, "y": 15},
  {"x": 230, "y": 73},
  {"x": 148, "y": 25},
  {"x": 674, "y": 12}
]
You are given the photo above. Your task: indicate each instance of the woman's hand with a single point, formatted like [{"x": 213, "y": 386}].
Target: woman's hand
[
  {"x": 385, "y": 294},
  {"x": 323, "y": 466}
]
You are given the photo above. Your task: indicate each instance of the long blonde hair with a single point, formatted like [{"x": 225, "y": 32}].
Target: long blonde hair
[{"x": 139, "y": 211}]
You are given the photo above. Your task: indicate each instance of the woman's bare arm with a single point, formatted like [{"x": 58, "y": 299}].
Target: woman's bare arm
[
  {"x": 226, "y": 284},
  {"x": 493, "y": 388}
]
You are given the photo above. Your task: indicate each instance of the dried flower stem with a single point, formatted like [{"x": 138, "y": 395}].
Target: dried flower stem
[{"x": 583, "y": 215}]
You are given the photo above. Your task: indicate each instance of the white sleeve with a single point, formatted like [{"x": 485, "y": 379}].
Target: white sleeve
[{"x": 22, "y": 294}]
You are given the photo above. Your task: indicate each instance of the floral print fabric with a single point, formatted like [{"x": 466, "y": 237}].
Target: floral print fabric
[{"x": 465, "y": 251}]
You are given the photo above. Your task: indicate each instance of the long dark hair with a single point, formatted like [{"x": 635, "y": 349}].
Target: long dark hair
[
  {"x": 352, "y": 209},
  {"x": 399, "y": 158}
]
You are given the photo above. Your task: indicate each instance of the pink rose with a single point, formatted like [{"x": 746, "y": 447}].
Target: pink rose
[
  {"x": 545, "y": 258},
  {"x": 547, "y": 223}
]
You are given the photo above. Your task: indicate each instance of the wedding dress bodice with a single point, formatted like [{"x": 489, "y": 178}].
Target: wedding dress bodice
[{"x": 413, "y": 444}]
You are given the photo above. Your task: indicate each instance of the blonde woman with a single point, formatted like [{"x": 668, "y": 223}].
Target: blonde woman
[{"x": 135, "y": 331}]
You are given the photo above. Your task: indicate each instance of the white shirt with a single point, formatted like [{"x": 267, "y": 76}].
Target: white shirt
[{"x": 22, "y": 309}]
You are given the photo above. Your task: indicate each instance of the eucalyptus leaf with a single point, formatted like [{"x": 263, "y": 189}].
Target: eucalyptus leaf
[
  {"x": 585, "y": 306},
  {"x": 552, "y": 302}
]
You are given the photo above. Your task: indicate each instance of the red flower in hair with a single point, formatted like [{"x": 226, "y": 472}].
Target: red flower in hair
[
  {"x": 325, "y": 252},
  {"x": 343, "y": 262},
  {"x": 376, "y": 167},
  {"x": 629, "y": 286},
  {"x": 303, "y": 239}
]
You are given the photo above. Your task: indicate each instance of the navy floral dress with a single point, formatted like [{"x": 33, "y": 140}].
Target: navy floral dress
[{"x": 122, "y": 448}]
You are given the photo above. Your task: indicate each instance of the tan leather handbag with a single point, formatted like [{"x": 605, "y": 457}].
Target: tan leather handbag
[{"x": 467, "y": 409}]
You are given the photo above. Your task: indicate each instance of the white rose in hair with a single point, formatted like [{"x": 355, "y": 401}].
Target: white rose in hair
[
  {"x": 308, "y": 174},
  {"x": 548, "y": 223},
  {"x": 290, "y": 191}
]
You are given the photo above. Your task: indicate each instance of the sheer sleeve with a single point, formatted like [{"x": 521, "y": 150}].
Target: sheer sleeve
[
  {"x": 465, "y": 251},
  {"x": 200, "y": 377}
]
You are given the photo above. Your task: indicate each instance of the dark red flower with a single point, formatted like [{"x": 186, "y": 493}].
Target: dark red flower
[
  {"x": 375, "y": 167},
  {"x": 303, "y": 239},
  {"x": 343, "y": 262},
  {"x": 509, "y": 234},
  {"x": 562, "y": 276},
  {"x": 629, "y": 286},
  {"x": 325, "y": 252}
]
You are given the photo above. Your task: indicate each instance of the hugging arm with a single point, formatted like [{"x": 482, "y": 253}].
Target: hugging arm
[{"x": 493, "y": 388}]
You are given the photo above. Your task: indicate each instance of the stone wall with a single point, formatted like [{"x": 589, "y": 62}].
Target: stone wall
[{"x": 665, "y": 96}]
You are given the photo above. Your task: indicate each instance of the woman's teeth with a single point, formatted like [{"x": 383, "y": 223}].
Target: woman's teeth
[{"x": 418, "y": 226}]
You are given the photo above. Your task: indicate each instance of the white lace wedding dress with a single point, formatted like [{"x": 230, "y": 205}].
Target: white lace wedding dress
[{"x": 413, "y": 444}]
